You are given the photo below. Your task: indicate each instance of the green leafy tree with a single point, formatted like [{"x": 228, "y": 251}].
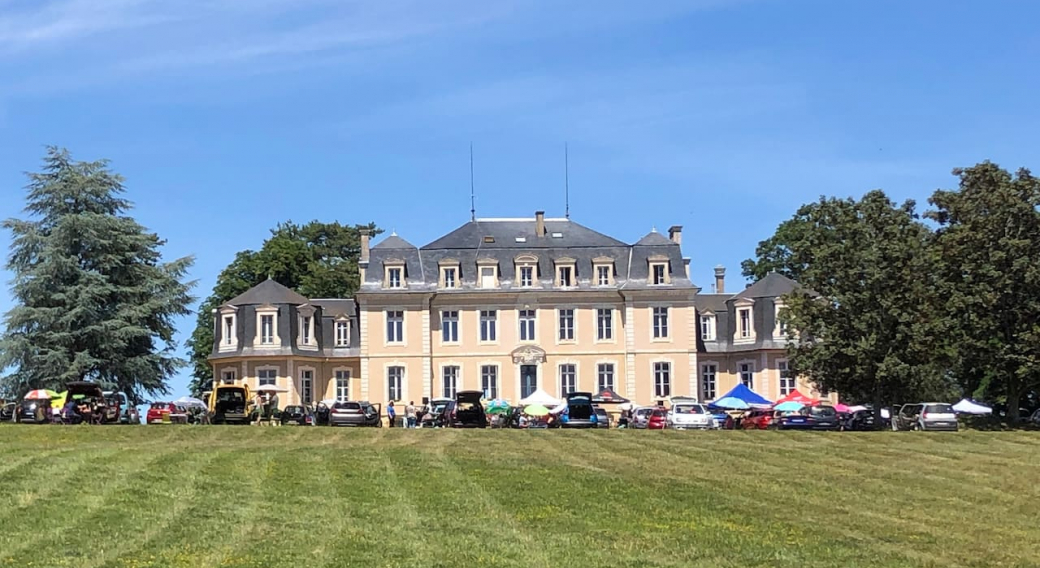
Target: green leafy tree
[
  {"x": 94, "y": 301},
  {"x": 861, "y": 325},
  {"x": 318, "y": 260},
  {"x": 988, "y": 262}
]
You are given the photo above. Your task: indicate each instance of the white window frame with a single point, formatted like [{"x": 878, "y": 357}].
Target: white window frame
[
  {"x": 709, "y": 369},
  {"x": 786, "y": 384},
  {"x": 450, "y": 276},
  {"x": 526, "y": 282},
  {"x": 708, "y": 329},
  {"x": 660, "y": 332},
  {"x": 258, "y": 341},
  {"x": 482, "y": 266},
  {"x": 602, "y": 371},
  {"x": 494, "y": 375},
  {"x": 224, "y": 375},
  {"x": 395, "y": 278},
  {"x": 530, "y": 334},
  {"x": 266, "y": 369},
  {"x": 566, "y": 266},
  {"x": 750, "y": 370},
  {"x": 398, "y": 335},
  {"x": 571, "y": 331},
  {"x": 657, "y": 369},
  {"x": 228, "y": 342},
  {"x": 449, "y": 327},
  {"x": 604, "y": 270},
  {"x": 341, "y": 378},
  {"x": 607, "y": 337},
  {"x": 572, "y": 373},
  {"x": 744, "y": 334},
  {"x": 307, "y": 383},
  {"x": 306, "y": 328},
  {"x": 399, "y": 387},
  {"x": 456, "y": 380},
  {"x": 487, "y": 334},
  {"x": 779, "y": 327},
  {"x": 342, "y": 332}
]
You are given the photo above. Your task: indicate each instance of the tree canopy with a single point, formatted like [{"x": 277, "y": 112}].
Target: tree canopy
[
  {"x": 318, "y": 260},
  {"x": 94, "y": 300}
]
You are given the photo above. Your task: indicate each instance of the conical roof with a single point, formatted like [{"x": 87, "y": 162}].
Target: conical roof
[
  {"x": 268, "y": 292},
  {"x": 653, "y": 238},
  {"x": 772, "y": 285},
  {"x": 394, "y": 242}
]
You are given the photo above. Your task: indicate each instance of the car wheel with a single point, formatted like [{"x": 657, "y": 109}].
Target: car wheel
[{"x": 916, "y": 427}]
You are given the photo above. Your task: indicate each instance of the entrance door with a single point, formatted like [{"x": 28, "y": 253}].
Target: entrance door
[{"x": 528, "y": 380}]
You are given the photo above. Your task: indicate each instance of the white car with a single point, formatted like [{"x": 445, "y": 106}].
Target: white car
[{"x": 687, "y": 415}]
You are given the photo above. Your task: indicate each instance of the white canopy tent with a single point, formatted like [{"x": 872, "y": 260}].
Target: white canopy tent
[
  {"x": 966, "y": 406},
  {"x": 189, "y": 402},
  {"x": 540, "y": 397}
]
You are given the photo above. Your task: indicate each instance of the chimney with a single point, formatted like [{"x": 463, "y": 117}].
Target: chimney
[
  {"x": 675, "y": 234},
  {"x": 539, "y": 223},
  {"x": 366, "y": 234},
  {"x": 720, "y": 279}
]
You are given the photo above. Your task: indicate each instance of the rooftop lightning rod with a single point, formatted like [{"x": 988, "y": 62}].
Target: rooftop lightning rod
[
  {"x": 566, "y": 184},
  {"x": 472, "y": 194}
]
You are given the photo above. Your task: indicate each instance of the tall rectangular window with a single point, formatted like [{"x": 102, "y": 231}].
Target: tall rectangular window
[
  {"x": 393, "y": 277},
  {"x": 526, "y": 276},
  {"x": 786, "y": 379},
  {"x": 603, "y": 275},
  {"x": 449, "y": 277},
  {"x": 605, "y": 376},
  {"x": 781, "y": 320},
  {"x": 662, "y": 380},
  {"x": 566, "y": 324},
  {"x": 228, "y": 377},
  {"x": 528, "y": 380},
  {"x": 658, "y": 273},
  {"x": 342, "y": 334},
  {"x": 394, "y": 377},
  {"x": 342, "y": 385},
  {"x": 527, "y": 325},
  {"x": 488, "y": 325},
  {"x": 394, "y": 326},
  {"x": 747, "y": 375},
  {"x": 229, "y": 330},
  {"x": 604, "y": 324},
  {"x": 744, "y": 314},
  {"x": 267, "y": 329},
  {"x": 568, "y": 379},
  {"x": 660, "y": 322},
  {"x": 489, "y": 381},
  {"x": 708, "y": 328},
  {"x": 307, "y": 386},
  {"x": 566, "y": 276},
  {"x": 266, "y": 376},
  {"x": 708, "y": 372},
  {"x": 450, "y": 381},
  {"x": 487, "y": 276},
  {"x": 450, "y": 326},
  {"x": 305, "y": 329}
]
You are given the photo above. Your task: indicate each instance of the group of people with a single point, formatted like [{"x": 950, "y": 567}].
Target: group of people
[
  {"x": 265, "y": 408},
  {"x": 412, "y": 415}
]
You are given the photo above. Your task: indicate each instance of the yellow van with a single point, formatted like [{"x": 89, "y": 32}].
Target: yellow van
[{"x": 230, "y": 404}]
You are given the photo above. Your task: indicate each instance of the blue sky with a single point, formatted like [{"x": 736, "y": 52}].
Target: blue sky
[{"x": 228, "y": 116}]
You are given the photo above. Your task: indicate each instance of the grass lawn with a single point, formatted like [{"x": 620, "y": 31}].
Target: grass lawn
[{"x": 240, "y": 496}]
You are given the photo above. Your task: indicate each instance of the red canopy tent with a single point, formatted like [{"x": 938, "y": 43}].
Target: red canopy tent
[{"x": 800, "y": 398}]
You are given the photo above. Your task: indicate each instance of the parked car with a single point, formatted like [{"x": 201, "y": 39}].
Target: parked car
[
  {"x": 863, "y": 421},
  {"x": 757, "y": 419},
  {"x": 690, "y": 415},
  {"x": 466, "y": 411},
  {"x": 434, "y": 416},
  {"x": 810, "y": 418},
  {"x": 580, "y": 412},
  {"x": 119, "y": 410},
  {"x": 301, "y": 415},
  {"x": 640, "y": 417},
  {"x": 25, "y": 412},
  {"x": 925, "y": 416},
  {"x": 354, "y": 413},
  {"x": 602, "y": 417},
  {"x": 1035, "y": 418},
  {"x": 230, "y": 404},
  {"x": 658, "y": 419},
  {"x": 157, "y": 411},
  {"x": 7, "y": 412}
]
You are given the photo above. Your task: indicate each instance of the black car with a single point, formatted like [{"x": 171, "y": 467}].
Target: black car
[
  {"x": 810, "y": 418},
  {"x": 433, "y": 415},
  {"x": 30, "y": 412},
  {"x": 7, "y": 412},
  {"x": 580, "y": 412},
  {"x": 301, "y": 415},
  {"x": 466, "y": 411},
  {"x": 863, "y": 421}
]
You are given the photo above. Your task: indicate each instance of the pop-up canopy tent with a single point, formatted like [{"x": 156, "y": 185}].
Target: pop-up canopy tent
[
  {"x": 608, "y": 396},
  {"x": 796, "y": 396},
  {"x": 540, "y": 397},
  {"x": 747, "y": 395},
  {"x": 968, "y": 406}
]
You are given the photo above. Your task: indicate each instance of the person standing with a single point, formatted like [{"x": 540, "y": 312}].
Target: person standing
[
  {"x": 409, "y": 414},
  {"x": 391, "y": 413}
]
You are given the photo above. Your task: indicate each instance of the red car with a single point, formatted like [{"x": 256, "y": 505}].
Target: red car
[
  {"x": 658, "y": 419},
  {"x": 159, "y": 409},
  {"x": 757, "y": 420}
]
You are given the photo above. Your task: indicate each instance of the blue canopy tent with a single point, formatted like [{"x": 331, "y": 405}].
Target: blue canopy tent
[{"x": 745, "y": 394}]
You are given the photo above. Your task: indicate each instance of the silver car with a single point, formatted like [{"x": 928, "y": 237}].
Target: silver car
[
  {"x": 690, "y": 415},
  {"x": 641, "y": 416},
  {"x": 925, "y": 416}
]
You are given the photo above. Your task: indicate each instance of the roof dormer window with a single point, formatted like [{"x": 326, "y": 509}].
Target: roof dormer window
[
  {"x": 566, "y": 273},
  {"x": 526, "y": 271},
  {"x": 604, "y": 268},
  {"x": 450, "y": 274},
  {"x": 267, "y": 327},
  {"x": 228, "y": 320},
  {"x": 395, "y": 274},
  {"x": 306, "y": 337},
  {"x": 659, "y": 270},
  {"x": 487, "y": 273}
]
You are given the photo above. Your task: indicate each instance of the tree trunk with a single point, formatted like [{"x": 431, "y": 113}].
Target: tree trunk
[
  {"x": 877, "y": 408},
  {"x": 1014, "y": 396}
]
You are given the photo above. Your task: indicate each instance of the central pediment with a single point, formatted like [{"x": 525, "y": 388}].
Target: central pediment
[{"x": 528, "y": 355}]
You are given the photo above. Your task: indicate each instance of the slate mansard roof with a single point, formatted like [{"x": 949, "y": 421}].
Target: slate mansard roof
[{"x": 502, "y": 241}]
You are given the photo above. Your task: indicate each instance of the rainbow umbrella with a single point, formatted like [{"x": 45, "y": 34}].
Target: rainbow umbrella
[{"x": 40, "y": 394}]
